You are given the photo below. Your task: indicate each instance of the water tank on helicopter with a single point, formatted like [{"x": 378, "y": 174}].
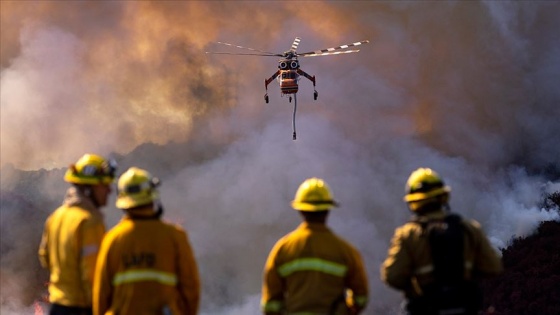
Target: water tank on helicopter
[{"x": 288, "y": 80}]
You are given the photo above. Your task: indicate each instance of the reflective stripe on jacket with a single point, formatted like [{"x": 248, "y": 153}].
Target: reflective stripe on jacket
[
  {"x": 308, "y": 271},
  {"x": 146, "y": 266},
  {"x": 71, "y": 239},
  {"x": 408, "y": 266}
]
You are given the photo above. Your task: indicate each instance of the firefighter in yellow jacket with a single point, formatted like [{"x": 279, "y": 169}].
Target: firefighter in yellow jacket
[
  {"x": 437, "y": 257},
  {"x": 145, "y": 266},
  {"x": 73, "y": 234},
  {"x": 312, "y": 271}
]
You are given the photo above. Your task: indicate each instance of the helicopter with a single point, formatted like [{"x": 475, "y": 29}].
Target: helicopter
[{"x": 289, "y": 71}]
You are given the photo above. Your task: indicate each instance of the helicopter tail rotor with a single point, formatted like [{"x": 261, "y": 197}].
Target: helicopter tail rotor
[{"x": 295, "y": 44}]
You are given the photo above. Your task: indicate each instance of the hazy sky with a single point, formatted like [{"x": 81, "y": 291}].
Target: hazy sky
[{"x": 468, "y": 88}]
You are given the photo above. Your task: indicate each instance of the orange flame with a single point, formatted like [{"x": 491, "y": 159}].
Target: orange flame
[{"x": 38, "y": 308}]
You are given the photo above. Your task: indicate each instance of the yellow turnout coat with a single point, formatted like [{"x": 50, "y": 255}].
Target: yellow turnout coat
[
  {"x": 308, "y": 272},
  {"x": 71, "y": 239},
  {"x": 146, "y": 267},
  {"x": 409, "y": 267}
]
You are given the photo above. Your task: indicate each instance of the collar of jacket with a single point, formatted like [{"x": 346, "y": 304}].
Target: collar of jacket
[
  {"x": 435, "y": 215},
  {"x": 146, "y": 213},
  {"x": 76, "y": 198},
  {"x": 314, "y": 226}
]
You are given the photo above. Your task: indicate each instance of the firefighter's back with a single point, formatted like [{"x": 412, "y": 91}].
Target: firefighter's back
[
  {"x": 143, "y": 262},
  {"x": 315, "y": 263}
]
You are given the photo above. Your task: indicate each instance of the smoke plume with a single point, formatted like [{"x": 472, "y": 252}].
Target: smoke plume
[{"x": 467, "y": 88}]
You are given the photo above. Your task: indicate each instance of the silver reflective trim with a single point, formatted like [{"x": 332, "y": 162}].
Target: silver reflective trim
[
  {"x": 312, "y": 264},
  {"x": 424, "y": 269},
  {"x": 430, "y": 268},
  {"x": 273, "y": 306},
  {"x": 144, "y": 275}
]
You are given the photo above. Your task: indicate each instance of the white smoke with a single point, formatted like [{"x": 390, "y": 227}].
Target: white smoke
[
  {"x": 41, "y": 84},
  {"x": 469, "y": 89}
]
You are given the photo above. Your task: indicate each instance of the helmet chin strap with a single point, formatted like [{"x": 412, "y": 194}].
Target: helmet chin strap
[{"x": 158, "y": 209}]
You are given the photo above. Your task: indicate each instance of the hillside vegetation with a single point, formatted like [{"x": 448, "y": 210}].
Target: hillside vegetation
[{"x": 531, "y": 282}]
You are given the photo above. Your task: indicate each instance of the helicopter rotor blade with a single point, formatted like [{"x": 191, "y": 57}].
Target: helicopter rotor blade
[
  {"x": 242, "y": 54},
  {"x": 248, "y": 48},
  {"x": 295, "y": 44},
  {"x": 329, "y": 51}
]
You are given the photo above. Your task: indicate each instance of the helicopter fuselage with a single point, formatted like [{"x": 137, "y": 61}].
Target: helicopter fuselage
[
  {"x": 288, "y": 80},
  {"x": 288, "y": 76}
]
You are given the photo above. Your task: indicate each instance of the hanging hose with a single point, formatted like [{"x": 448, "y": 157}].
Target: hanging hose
[{"x": 294, "y": 117}]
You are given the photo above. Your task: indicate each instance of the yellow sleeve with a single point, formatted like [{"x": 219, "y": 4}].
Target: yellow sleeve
[
  {"x": 189, "y": 280},
  {"x": 102, "y": 287},
  {"x": 272, "y": 300},
  {"x": 357, "y": 281},
  {"x": 396, "y": 269},
  {"x": 92, "y": 231},
  {"x": 44, "y": 246},
  {"x": 487, "y": 261}
]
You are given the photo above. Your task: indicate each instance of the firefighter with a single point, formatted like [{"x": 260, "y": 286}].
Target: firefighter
[
  {"x": 73, "y": 233},
  {"x": 312, "y": 270},
  {"x": 145, "y": 265},
  {"x": 437, "y": 258}
]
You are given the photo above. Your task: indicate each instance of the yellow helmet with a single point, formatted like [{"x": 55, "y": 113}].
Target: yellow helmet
[
  {"x": 313, "y": 195},
  {"x": 424, "y": 183},
  {"x": 91, "y": 169},
  {"x": 136, "y": 188}
]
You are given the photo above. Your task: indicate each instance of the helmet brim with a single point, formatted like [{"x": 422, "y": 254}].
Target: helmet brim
[
  {"x": 127, "y": 202},
  {"x": 72, "y": 178},
  {"x": 425, "y": 195},
  {"x": 310, "y": 207}
]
